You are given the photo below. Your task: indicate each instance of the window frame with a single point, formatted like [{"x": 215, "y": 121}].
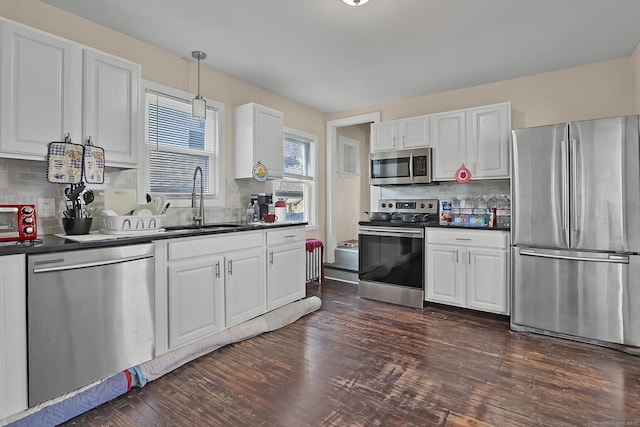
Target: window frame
[
  {"x": 211, "y": 200},
  {"x": 311, "y": 180},
  {"x": 346, "y": 142}
]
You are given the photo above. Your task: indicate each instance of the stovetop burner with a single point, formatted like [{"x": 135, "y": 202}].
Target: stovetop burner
[{"x": 407, "y": 212}]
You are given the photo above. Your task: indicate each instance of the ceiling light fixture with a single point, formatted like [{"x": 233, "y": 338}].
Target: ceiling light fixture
[
  {"x": 198, "y": 104},
  {"x": 355, "y": 2}
]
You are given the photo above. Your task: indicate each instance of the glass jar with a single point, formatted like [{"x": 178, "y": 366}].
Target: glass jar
[
  {"x": 455, "y": 206},
  {"x": 480, "y": 217},
  {"x": 466, "y": 206},
  {"x": 503, "y": 212}
]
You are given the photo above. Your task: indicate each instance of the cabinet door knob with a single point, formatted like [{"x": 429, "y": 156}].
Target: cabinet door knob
[
  {"x": 218, "y": 269},
  {"x": 230, "y": 267}
]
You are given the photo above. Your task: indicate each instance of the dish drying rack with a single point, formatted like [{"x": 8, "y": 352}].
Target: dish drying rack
[{"x": 131, "y": 223}]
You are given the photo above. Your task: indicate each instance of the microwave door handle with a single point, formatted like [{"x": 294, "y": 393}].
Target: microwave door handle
[{"x": 411, "y": 166}]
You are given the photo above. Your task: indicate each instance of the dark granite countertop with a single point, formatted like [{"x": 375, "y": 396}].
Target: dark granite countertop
[
  {"x": 53, "y": 243},
  {"x": 462, "y": 227}
]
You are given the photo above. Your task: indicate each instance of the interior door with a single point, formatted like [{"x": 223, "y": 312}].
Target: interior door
[
  {"x": 605, "y": 186},
  {"x": 539, "y": 185}
]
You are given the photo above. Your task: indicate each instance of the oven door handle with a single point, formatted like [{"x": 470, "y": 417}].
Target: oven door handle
[{"x": 414, "y": 233}]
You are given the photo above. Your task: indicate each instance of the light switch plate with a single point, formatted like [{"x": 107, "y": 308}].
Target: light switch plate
[{"x": 46, "y": 207}]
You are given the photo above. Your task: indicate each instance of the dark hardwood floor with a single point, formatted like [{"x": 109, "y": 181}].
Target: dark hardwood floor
[{"x": 357, "y": 362}]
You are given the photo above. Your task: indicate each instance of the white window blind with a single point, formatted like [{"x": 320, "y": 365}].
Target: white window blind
[{"x": 176, "y": 144}]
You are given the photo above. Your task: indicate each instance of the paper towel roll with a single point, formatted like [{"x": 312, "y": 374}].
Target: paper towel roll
[{"x": 281, "y": 213}]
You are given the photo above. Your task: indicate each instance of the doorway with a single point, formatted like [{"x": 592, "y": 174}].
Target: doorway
[{"x": 332, "y": 174}]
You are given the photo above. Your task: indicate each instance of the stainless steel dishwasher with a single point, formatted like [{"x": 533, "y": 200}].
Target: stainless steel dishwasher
[{"x": 90, "y": 315}]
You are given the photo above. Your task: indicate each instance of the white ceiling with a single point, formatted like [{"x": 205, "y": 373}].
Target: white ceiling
[{"x": 333, "y": 57}]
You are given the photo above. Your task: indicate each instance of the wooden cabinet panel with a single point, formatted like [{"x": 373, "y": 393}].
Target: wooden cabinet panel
[
  {"x": 13, "y": 335},
  {"x": 111, "y": 104},
  {"x": 258, "y": 133},
  {"x": 40, "y": 80},
  {"x": 196, "y": 300},
  {"x": 468, "y": 269},
  {"x": 48, "y": 92}
]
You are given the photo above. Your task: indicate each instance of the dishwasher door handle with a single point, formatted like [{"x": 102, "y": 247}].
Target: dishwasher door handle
[{"x": 90, "y": 264}]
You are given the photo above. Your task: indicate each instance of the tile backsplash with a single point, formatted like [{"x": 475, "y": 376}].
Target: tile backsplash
[
  {"x": 24, "y": 181},
  {"x": 446, "y": 190}
]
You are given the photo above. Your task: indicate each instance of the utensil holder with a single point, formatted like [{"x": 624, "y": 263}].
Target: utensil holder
[{"x": 76, "y": 226}]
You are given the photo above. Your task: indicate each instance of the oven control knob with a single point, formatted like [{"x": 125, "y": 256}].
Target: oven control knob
[
  {"x": 28, "y": 229},
  {"x": 422, "y": 205},
  {"x": 430, "y": 205},
  {"x": 28, "y": 220},
  {"x": 384, "y": 205},
  {"x": 27, "y": 210}
]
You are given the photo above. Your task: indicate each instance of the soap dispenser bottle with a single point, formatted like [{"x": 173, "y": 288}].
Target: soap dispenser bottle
[{"x": 256, "y": 212}]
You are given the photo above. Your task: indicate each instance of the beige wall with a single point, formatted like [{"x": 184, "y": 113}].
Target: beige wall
[
  {"x": 635, "y": 68},
  {"x": 352, "y": 195},
  {"x": 603, "y": 89}
]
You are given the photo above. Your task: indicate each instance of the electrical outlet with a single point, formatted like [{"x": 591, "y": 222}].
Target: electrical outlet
[{"x": 46, "y": 207}]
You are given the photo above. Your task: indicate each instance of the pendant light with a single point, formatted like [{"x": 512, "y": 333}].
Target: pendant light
[
  {"x": 198, "y": 104},
  {"x": 355, "y": 2}
]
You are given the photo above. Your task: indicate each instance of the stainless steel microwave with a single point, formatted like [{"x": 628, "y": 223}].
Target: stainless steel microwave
[{"x": 400, "y": 167}]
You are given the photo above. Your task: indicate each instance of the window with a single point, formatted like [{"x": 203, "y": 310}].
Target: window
[
  {"x": 175, "y": 144},
  {"x": 298, "y": 188},
  {"x": 349, "y": 158}
]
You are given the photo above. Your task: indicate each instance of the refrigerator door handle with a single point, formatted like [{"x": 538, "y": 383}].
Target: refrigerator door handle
[
  {"x": 575, "y": 208},
  {"x": 564, "y": 216},
  {"x": 618, "y": 259}
]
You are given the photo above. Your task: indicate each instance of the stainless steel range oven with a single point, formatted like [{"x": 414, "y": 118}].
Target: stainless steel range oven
[{"x": 392, "y": 253}]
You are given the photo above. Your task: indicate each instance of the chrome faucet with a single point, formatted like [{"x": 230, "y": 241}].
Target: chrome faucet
[{"x": 199, "y": 219}]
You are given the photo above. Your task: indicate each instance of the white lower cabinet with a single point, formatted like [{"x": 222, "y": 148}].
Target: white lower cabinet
[
  {"x": 196, "y": 299},
  {"x": 245, "y": 293},
  {"x": 217, "y": 281},
  {"x": 468, "y": 268},
  {"x": 13, "y": 335},
  {"x": 213, "y": 282},
  {"x": 286, "y": 266}
]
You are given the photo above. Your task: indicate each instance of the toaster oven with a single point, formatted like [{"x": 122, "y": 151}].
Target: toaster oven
[{"x": 17, "y": 223}]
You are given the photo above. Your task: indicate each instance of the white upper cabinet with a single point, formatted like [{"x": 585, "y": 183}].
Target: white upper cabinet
[
  {"x": 449, "y": 133},
  {"x": 40, "y": 82},
  {"x": 400, "y": 134},
  {"x": 414, "y": 132},
  {"x": 384, "y": 136},
  {"x": 258, "y": 134},
  {"x": 49, "y": 91},
  {"x": 488, "y": 140},
  {"x": 111, "y": 105},
  {"x": 477, "y": 137}
]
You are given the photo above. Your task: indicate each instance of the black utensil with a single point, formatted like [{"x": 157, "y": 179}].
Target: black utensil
[
  {"x": 75, "y": 192},
  {"x": 164, "y": 210},
  {"x": 148, "y": 198},
  {"x": 88, "y": 197}
]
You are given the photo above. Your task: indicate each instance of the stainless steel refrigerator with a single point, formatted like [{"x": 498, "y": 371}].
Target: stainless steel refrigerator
[{"x": 576, "y": 230}]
